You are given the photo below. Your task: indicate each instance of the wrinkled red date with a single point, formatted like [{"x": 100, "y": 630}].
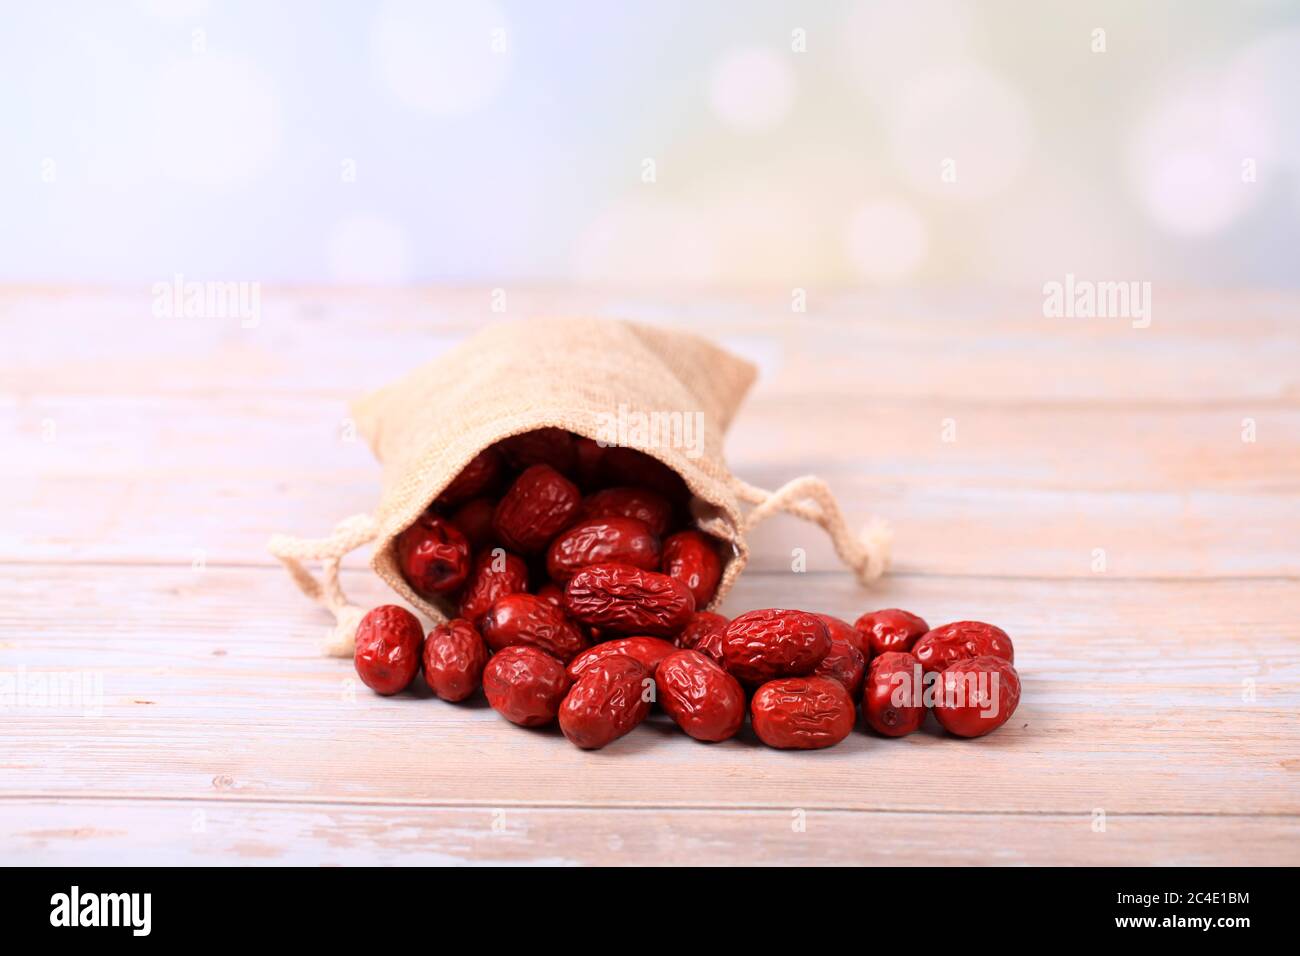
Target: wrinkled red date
[
  {"x": 893, "y": 695},
  {"x": 387, "y": 651},
  {"x": 977, "y": 696},
  {"x": 474, "y": 520},
  {"x": 890, "y": 630},
  {"x": 702, "y": 698},
  {"x": 454, "y": 658},
  {"x": 538, "y": 506},
  {"x": 433, "y": 556},
  {"x": 552, "y": 594},
  {"x": 704, "y": 633},
  {"x": 529, "y": 619},
  {"x": 802, "y": 713},
  {"x": 702, "y": 626},
  {"x": 525, "y": 685},
  {"x": 841, "y": 630},
  {"x": 845, "y": 663},
  {"x": 630, "y": 502},
  {"x": 496, "y": 573},
  {"x": 474, "y": 479},
  {"x": 622, "y": 599},
  {"x": 610, "y": 698},
  {"x": 601, "y": 541},
  {"x": 962, "y": 640},
  {"x": 761, "y": 645},
  {"x": 692, "y": 558},
  {"x": 648, "y": 651}
]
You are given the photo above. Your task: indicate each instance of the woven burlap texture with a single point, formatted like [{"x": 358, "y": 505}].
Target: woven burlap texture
[{"x": 573, "y": 373}]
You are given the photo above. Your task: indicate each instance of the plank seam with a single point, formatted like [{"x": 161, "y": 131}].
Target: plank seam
[
  {"x": 749, "y": 572},
  {"x": 344, "y": 802}
]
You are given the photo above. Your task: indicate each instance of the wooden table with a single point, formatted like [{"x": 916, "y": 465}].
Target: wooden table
[{"x": 1099, "y": 498}]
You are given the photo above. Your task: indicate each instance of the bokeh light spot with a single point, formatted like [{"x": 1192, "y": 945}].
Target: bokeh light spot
[{"x": 1185, "y": 159}]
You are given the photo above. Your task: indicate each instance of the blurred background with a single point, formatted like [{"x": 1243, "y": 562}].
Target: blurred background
[{"x": 882, "y": 142}]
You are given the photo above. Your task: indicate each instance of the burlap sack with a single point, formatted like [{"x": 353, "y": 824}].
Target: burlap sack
[{"x": 612, "y": 381}]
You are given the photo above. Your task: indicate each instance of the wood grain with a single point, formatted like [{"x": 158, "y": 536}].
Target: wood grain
[
  {"x": 1049, "y": 488},
  {"x": 182, "y": 833},
  {"x": 146, "y": 462},
  {"x": 986, "y": 346},
  {"x": 218, "y": 671}
]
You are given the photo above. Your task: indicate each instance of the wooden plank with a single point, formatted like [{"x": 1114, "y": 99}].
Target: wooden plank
[
  {"x": 207, "y": 832},
  {"x": 1139, "y": 697},
  {"x": 927, "y": 445},
  {"x": 987, "y": 348},
  {"x": 1039, "y": 490},
  {"x": 968, "y": 532}
]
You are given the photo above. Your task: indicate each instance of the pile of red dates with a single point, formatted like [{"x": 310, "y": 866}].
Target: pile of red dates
[{"x": 577, "y": 583}]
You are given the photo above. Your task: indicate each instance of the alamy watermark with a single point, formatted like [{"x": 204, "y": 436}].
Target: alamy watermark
[
  {"x": 70, "y": 692},
  {"x": 181, "y": 299},
  {"x": 1086, "y": 299},
  {"x": 74, "y": 908},
  {"x": 975, "y": 689},
  {"x": 653, "y": 429}
]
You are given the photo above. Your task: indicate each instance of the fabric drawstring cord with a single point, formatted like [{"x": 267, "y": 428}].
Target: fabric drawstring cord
[
  {"x": 809, "y": 498},
  {"x": 348, "y": 535}
]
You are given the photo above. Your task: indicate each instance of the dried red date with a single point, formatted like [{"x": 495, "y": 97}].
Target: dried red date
[
  {"x": 977, "y": 696},
  {"x": 552, "y": 594},
  {"x": 433, "y": 556},
  {"x": 454, "y": 658},
  {"x": 525, "y": 685},
  {"x": 629, "y": 502},
  {"x": 496, "y": 573},
  {"x": 649, "y": 651},
  {"x": 893, "y": 698},
  {"x": 473, "y": 519},
  {"x": 692, "y": 558},
  {"x": 477, "y": 477},
  {"x": 528, "y": 619},
  {"x": 387, "y": 652},
  {"x": 702, "y": 698},
  {"x": 699, "y": 627},
  {"x": 539, "y": 505},
  {"x": 844, "y": 663},
  {"x": 959, "y": 641},
  {"x": 842, "y": 630},
  {"x": 621, "y": 599},
  {"x": 803, "y": 713},
  {"x": 601, "y": 541},
  {"x": 610, "y": 698},
  {"x": 890, "y": 630},
  {"x": 774, "y": 642},
  {"x": 704, "y": 633},
  {"x": 543, "y": 446}
]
